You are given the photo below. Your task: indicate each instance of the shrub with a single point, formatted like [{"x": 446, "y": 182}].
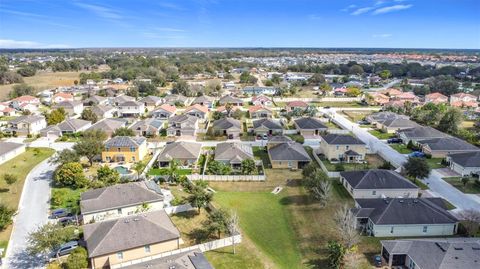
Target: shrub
[
  {"x": 6, "y": 215},
  {"x": 77, "y": 259},
  {"x": 339, "y": 167}
]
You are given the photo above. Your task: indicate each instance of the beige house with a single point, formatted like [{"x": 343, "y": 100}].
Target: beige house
[
  {"x": 309, "y": 126},
  {"x": 120, "y": 200},
  {"x": 342, "y": 147},
  {"x": 122, "y": 240},
  {"x": 229, "y": 127},
  {"x": 290, "y": 155},
  {"x": 70, "y": 107},
  {"x": 186, "y": 153},
  {"x": 26, "y": 125},
  {"x": 10, "y": 150},
  {"x": 441, "y": 147}
]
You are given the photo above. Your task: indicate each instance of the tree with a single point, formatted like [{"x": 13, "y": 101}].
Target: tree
[
  {"x": 316, "y": 79},
  {"x": 173, "y": 170},
  {"x": 181, "y": 87},
  {"x": 146, "y": 88},
  {"x": 91, "y": 144},
  {"x": 345, "y": 220},
  {"x": 218, "y": 168},
  {"x": 232, "y": 225},
  {"x": 217, "y": 222},
  {"x": 65, "y": 156},
  {"x": 309, "y": 169},
  {"x": 248, "y": 167},
  {"x": 336, "y": 253},
  {"x": 216, "y": 115},
  {"x": 319, "y": 186},
  {"x": 10, "y": 179},
  {"x": 6, "y": 215},
  {"x": 276, "y": 79},
  {"x": 21, "y": 89},
  {"x": 471, "y": 221},
  {"x": 356, "y": 70},
  {"x": 416, "y": 168},
  {"x": 87, "y": 114},
  {"x": 199, "y": 198},
  {"x": 27, "y": 71},
  {"x": 78, "y": 259},
  {"x": 237, "y": 114},
  {"x": 139, "y": 167},
  {"x": 70, "y": 175},
  {"x": 56, "y": 116},
  {"x": 49, "y": 237},
  {"x": 244, "y": 77},
  {"x": 450, "y": 121},
  {"x": 465, "y": 181},
  {"x": 107, "y": 176},
  {"x": 123, "y": 131},
  {"x": 353, "y": 92},
  {"x": 385, "y": 74}
]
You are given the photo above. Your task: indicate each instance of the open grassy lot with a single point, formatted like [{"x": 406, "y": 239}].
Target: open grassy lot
[
  {"x": 401, "y": 148},
  {"x": 337, "y": 104},
  {"x": 381, "y": 135},
  {"x": 356, "y": 115},
  {"x": 44, "y": 80},
  {"x": 19, "y": 166},
  {"x": 470, "y": 187}
]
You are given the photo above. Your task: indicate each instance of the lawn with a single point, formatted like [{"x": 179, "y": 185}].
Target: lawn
[
  {"x": 381, "y": 135},
  {"x": 164, "y": 171},
  {"x": 19, "y": 166},
  {"x": 297, "y": 138},
  {"x": 435, "y": 163},
  {"x": 338, "y": 104},
  {"x": 262, "y": 154},
  {"x": 348, "y": 166},
  {"x": 356, "y": 115},
  {"x": 66, "y": 198},
  {"x": 401, "y": 148},
  {"x": 471, "y": 187}
]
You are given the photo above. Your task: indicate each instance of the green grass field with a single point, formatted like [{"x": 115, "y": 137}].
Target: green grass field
[
  {"x": 401, "y": 148},
  {"x": 471, "y": 187},
  {"x": 164, "y": 171},
  {"x": 381, "y": 135},
  {"x": 435, "y": 163}
]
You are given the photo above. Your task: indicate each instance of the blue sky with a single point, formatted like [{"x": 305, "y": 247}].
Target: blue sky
[{"x": 240, "y": 23}]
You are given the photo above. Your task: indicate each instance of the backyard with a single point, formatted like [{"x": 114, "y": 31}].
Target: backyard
[
  {"x": 372, "y": 161},
  {"x": 19, "y": 166}
]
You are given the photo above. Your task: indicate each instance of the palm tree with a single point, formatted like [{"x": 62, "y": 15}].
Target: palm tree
[
  {"x": 139, "y": 167},
  {"x": 173, "y": 170}
]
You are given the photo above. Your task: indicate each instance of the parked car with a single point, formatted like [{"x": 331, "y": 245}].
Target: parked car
[
  {"x": 394, "y": 140},
  {"x": 265, "y": 137},
  {"x": 417, "y": 154},
  {"x": 67, "y": 221},
  {"x": 377, "y": 260},
  {"x": 363, "y": 122},
  {"x": 326, "y": 107},
  {"x": 67, "y": 248},
  {"x": 60, "y": 213}
]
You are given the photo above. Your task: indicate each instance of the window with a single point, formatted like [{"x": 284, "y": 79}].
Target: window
[
  {"x": 132, "y": 149},
  {"x": 147, "y": 248},
  {"x": 119, "y": 211},
  {"x": 338, "y": 147},
  {"x": 391, "y": 230},
  {"x": 374, "y": 192},
  {"x": 289, "y": 164},
  {"x": 425, "y": 228},
  {"x": 347, "y": 147},
  {"x": 120, "y": 255},
  {"x": 133, "y": 158},
  {"x": 118, "y": 149}
]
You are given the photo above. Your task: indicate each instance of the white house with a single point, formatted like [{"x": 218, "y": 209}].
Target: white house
[{"x": 9, "y": 150}]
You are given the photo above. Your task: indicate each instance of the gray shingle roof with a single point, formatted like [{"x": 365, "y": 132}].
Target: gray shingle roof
[
  {"x": 423, "y": 132},
  {"x": 117, "y": 196},
  {"x": 399, "y": 123},
  {"x": 123, "y": 99},
  {"x": 147, "y": 124},
  {"x": 99, "y": 110},
  {"x": 130, "y": 103},
  {"x": 151, "y": 99},
  {"x": 467, "y": 159},
  {"x": 108, "y": 125},
  {"x": 448, "y": 143},
  {"x": 377, "y": 179},
  {"x": 397, "y": 211},
  {"x": 72, "y": 125},
  {"x": 68, "y": 104},
  {"x": 180, "y": 150},
  {"x": 341, "y": 139},
  {"x": 233, "y": 152},
  {"x": 438, "y": 253},
  {"x": 382, "y": 116},
  {"x": 228, "y": 99},
  {"x": 183, "y": 118},
  {"x": 186, "y": 260},
  {"x": 27, "y": 119},
  {"x": 6, "y": 147},
  {"x": 267, "y": 123},
  {"x": 291, "y": 151},
  {"x": 202, "y": 99},
  {"x": 125, "y": 141},
  {"x": 135, "y": 231},
  {"x": 309, "y": 123},
  {"x": 226, "y": 123}
]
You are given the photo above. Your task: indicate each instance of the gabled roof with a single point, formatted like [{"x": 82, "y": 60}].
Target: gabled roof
[
  {"x": 424, "y": 132},
  {"x": 448, "y": 143},
  {"x": 267, "y": 123},
  {"x": 233, "y": 152},
  {"x": 194, "y": 259},
  {"x": 125, "y": 141},
  {"x": 130, "y": 103},
  {"x": 118, "y": 196},
  {"x": 377, "y": 179},
  {"x": 297, "y": 104},
  {"x": 463, "y": 95},
  {"x": 261, "y": 98},
  {"x": 73, "y": 125},
  {"x": 290, "y": 151},
  {"x": 180, "y": 150},
  {"x": 151, "y": 99},
  {"x": 27, "y": 119},
  {"x": 202, "y": 99},
  {"x": 435, "y": 95},
  {"x": 135, "y": 231},
  {"x": 123, "y": 99},
  {"x": 467, "y": 159},
  {"x": 147, "y": 124},
  {"x": 167, "y": 107},
  {"x": 398, "y": 211},
  {"x": 341, "y": 139},
  {"x": 197, "y": 107},
  {"x": 6, "y": 147},
  {"x": 101, "y": 109},
  {"x": 172, "y": 98},
  {"x": 63, "y": 95},
  {"x": 229, "y": 99},
  {"x": 309, "y": 123},
  {"x": 227, "y": 123},
  {"x": 256, "y": 108},
  {"x": 399, "y": 123},
  {"x": 95, "y": 99},
  {"x": 183, "y": 118},
  {"x": 68, "y": 104},
  {"x": 108, "y": 125}
]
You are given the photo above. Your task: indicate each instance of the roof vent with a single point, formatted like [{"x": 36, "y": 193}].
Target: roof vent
[
  {"x": 401, "y": 201},
  {"x": 136, "y": 219},
  {"x": 415, "y": 201},
  {"x": 458, "y": 248}
]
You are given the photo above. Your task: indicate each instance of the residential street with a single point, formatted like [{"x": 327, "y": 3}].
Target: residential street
[
  {"x": 32, "y": 211},
  {"x": 438, "y": 187}
]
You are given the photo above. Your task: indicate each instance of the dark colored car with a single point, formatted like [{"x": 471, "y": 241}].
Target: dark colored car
[
  {"x": 417, "y": 154},
  {"x": 394, "y": 140},
  {"x": 363, "y": 122},
  {"x": 60, "y": 213},
  {"x": 65, "y": 221},
  {"x": 326, "y": 107},
  {"x": 377, "y": 260},
  {"x": 67, "y": 248}
]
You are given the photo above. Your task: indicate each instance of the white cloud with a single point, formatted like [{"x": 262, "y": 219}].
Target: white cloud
[
  {"x": 361, "y": 10},
  {"x": 23, "y": 44},
  {"x": 381, "y": 35},
  {"x": 101, "y": 11},
  {"x": 389, "y": 9},
  {"x": 349, "y": 7}
]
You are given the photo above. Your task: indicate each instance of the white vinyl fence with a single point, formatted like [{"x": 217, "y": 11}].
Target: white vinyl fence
[
  {"x": 178, "y": 209},
  {"x": 227, "y": 177},
  {"x": 322, "y": 99}
]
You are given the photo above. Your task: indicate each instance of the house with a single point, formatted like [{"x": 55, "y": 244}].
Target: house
[
  {"x": 343, "y": 147},
  {"x": 436, "y": 98},
  {"x": 309, "y": 126},
  {"x": 441, "y": 147},
  {"x": 62, "y": 97},
  {"x": 182, "y": 125},
  {"x": 10, "y": 150},
  {"x": 6, "y": 110},
  {"x": 261, "y": 100},
  {"x": 340, "y": 91},
  {"x": 299, "y": 105},
  {"x": 289, "y": 155},
  {"x": 255, "y": 90},
  {"x": 122, "y": 99},
  {"x": 267, "y": 126},
  {"x": 108, "y": 125},
  {"x": 69, "y": 126},
  {"x": 233, "y": 153},
  {"x": 175, "y": 100},
  {"x": 223, "y": 109},
  {"x": 131, "y": 109},
  {"x": 394, "y": 125},
  {"x": 95, "y": 100},
  {"x": 380, "y": 98},
  {"x": 120, "y": 200},
  {"x": 228, "y": 99},
  {"x": 396, "y": 217},
  {"x": 70, "y": 107},
  {"x": 465, "y": 164},
  {"x": 186, "y": 153},
  {"x": 25, "y": 99},
  {"x": 147, "y": 127},
  {"x": 462, "y": 97},
  {"x": 204, "y": 101},
  {"x": 432, "y": 253},
  {"x": 116, "y": 241},
  {"x": 407, "y": 97},
  {"x": 418, "y": 133},
  {"x": 124, "y": 149},
  {"x": 164, "y": 112},
  {"x": 104, "y": 111},
  {"x": 26, "y": 125},
  {"x": 198, "y": 111},
  {"x": 150, "y": 102},
  {"x": 377, "y": 183},
  {"x": 194, "y": 259},
  {"x": 380, "y": 117},
  {"x": 260, "y": 111},
  {"x": 392, "y": 92},
  {"x": 229, "y": 127}
]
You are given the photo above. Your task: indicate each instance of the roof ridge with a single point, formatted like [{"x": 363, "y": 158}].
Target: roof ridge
[
  {"x": 109, "y": 231},
  {"x": 363, "y": 178},
  {"x": 386, "y": 209},
  {"x": 436, "y": 207}
]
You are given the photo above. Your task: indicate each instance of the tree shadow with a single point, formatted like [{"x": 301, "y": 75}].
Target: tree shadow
[
  {"x": 293, "y": 182},
  {"x": 199, "y": 235},
  {"x": 4, "y": 189},
  {"x": 187, "y": 214},
  {"x": 23, "y": 259},
  {"x": 297, "y": 200}
]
